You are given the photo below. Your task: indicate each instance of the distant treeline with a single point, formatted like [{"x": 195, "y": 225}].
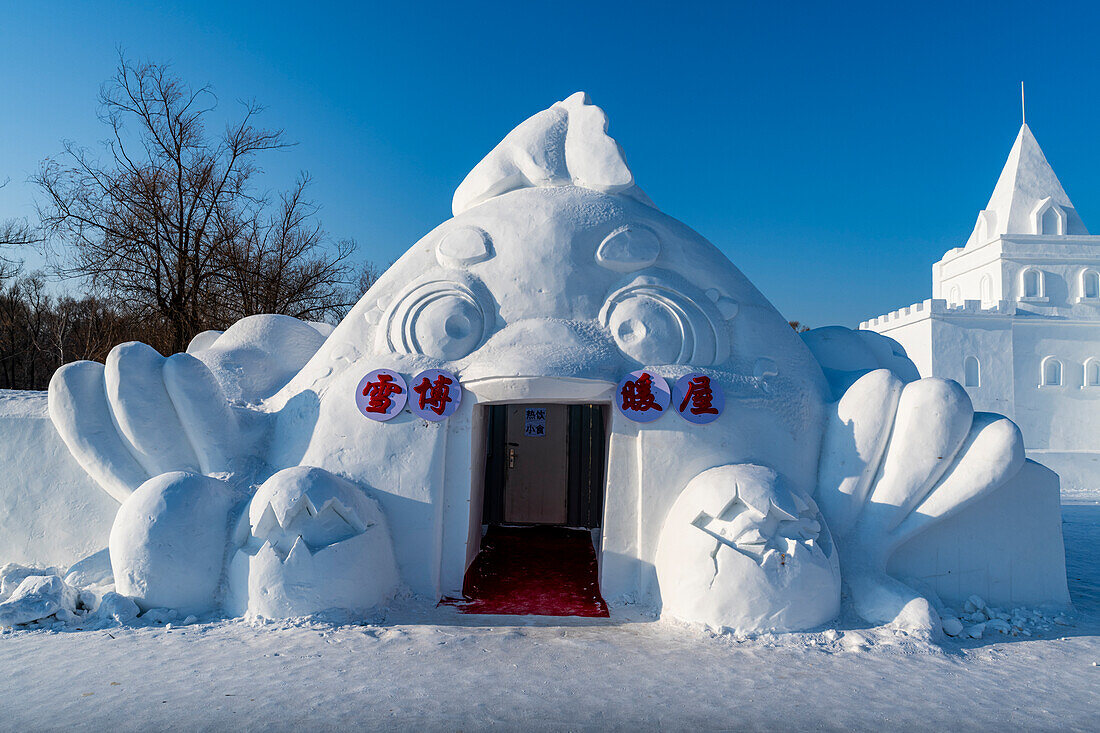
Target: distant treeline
[{"x": 40, "y": 331}]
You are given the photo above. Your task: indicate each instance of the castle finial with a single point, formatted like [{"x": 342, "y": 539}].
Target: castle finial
[{"x": 1023, "y": 107}]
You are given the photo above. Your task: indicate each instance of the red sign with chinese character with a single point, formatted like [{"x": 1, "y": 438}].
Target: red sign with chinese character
[
  {"x": 381, "y": 394},
  {"x": 698, "y": 398},
  {"x": 643, "y": 396}
]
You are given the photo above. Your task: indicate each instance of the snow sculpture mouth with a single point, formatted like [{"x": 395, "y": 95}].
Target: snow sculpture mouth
[{"x": 305, "y": 524}]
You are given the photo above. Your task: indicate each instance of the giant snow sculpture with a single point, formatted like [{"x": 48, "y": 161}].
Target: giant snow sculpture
[{"x": 556, "y": 276}]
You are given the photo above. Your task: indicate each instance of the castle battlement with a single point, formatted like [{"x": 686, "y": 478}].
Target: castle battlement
[{"x": 937, "y": 307}]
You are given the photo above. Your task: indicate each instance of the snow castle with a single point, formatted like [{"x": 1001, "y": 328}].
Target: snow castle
[
  {"x": 518, "y": 365},
  {"x": 1015, "y": 317}
]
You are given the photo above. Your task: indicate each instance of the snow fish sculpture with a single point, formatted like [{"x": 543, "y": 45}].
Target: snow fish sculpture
[{"x": 556, "y": 276}]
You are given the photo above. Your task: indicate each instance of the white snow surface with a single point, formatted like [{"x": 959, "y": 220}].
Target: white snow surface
[{"x": 430, "y": 669}]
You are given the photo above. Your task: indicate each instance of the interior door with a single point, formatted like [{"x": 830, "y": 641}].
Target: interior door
[{"x": 536, "y": 484}]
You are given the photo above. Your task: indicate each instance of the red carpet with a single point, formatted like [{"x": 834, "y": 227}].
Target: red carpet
[{"x": 546, "y": 571}]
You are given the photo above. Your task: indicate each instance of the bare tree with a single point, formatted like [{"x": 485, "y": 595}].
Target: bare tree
[
  {"x": 284, "y": 263},
  {"x": 14, "y": 233},
  {"x": 170, "y": 225}
]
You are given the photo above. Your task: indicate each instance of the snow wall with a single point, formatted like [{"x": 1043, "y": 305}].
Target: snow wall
[{"x": 51, "y": 511}]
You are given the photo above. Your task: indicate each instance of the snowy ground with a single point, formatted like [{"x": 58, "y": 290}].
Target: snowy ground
[{"x": 437, "y": 669}]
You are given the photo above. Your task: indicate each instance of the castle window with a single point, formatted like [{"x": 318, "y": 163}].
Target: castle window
[
  {"x": 987, "y": 290},
  {"x": 1090, "y": 284},
  {"x": 1051, "y": 373},
  {"x": 1092, "y": 373},
  {"x": 954, "y": 297},
  {"x": 972, "y": 372},
  {"x": 1031, "y": 281}
]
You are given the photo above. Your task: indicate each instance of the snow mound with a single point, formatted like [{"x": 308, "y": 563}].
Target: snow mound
[
  {"x": 846, "y": 355},
  {"x": 168, "y": 542},
  {"x": 38, "y": 597},
  {"x": 257, "y": 355}
]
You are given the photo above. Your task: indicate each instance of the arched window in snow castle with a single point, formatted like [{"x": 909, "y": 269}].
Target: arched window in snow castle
[
  {"x": 987, "y": 290},
  {"x": 972, "y": 372},
  {"x": 1092, "y": 373},
  {"x": 953, "y": 297},
  {"x": 1051, "y": 372},
  {"x": 1090, "y": 284},
  {"x": 1032, "y": 283}
]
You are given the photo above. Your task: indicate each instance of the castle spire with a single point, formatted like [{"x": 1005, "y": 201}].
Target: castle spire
[{"x": 1025, "y": 190}]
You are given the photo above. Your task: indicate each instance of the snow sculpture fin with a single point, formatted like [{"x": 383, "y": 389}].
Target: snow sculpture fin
[
  {"x": 566, "y": 144},
  {"x": 939, "y": 457}
]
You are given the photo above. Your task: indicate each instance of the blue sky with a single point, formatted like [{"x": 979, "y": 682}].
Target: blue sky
[{"x": 833, "y": 153}]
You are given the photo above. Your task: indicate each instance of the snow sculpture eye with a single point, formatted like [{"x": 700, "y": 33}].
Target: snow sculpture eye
[
  {"x": 440, "y": 318},
  {"x": 654, "y": 323}
]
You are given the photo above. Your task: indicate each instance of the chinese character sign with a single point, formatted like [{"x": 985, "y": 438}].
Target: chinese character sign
[
  {"x": 534, "y": 422},
  {"x": 643, "y": 396},
  {"x": 435, "y": 394},
  {"x": 698, "y": 399},
  {"x": 381, "y": 394}
]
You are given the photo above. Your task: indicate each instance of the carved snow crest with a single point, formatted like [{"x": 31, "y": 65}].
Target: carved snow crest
[{"x": 564, "y": 145}]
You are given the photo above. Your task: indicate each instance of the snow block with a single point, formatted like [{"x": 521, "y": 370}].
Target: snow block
[
  {"x": 1006, "y": 548},
  {"x": 51, "y": 511},
  {"x": 37, "y": 597}
]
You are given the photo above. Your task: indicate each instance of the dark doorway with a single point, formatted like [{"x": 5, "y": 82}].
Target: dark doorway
[
  {"x": 545, "y": 465},
  {"x": 543, "y": 497}
]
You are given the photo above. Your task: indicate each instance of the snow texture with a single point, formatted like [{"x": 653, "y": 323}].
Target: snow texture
[
  {"x": 738, "y": 545},
  {"x": 51, "y": 511},
  {"x": 257, "y": 355}
]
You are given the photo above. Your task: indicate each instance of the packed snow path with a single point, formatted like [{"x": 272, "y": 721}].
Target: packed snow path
[{"x": 439, "y": 669}]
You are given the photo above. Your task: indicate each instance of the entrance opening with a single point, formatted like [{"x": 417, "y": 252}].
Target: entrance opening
[{"x": 541, "y": 512}]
